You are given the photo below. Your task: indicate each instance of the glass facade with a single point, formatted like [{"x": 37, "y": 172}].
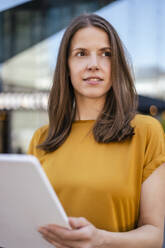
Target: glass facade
[
  {"x": 141, "y": 27},
  {"x": 28, "y": 24}
]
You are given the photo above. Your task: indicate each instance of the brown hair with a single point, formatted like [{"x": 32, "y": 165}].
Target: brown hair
[{"x": 113, "y": 123}]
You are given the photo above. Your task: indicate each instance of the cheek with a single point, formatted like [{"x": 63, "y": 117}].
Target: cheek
[
  {"x": 106, "y": 65},
  {"x": 75, "y": 74},
  {"x": 75, "y": 68}
]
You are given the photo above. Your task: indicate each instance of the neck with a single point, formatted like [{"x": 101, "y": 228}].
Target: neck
[{"x": 88, "y": 108}]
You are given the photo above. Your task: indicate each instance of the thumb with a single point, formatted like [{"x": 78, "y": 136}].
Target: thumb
[{"x": 77, "y": 223}]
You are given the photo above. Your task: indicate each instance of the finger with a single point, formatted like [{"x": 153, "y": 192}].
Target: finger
[
  {"x": 72, "y": 235},
  {"x": 53, "y": 239},
  {"x": 78, "y": 222},
  {"x": 66, "y": 243},
  {"x": 49, "y": 235},
  {"x": 56, "y": 244}
]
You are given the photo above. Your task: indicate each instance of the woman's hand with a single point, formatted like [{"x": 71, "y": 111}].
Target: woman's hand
[{"x": 83, "y": 234}]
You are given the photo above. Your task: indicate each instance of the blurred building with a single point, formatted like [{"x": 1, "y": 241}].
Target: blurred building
[{"x": 30, "y": 34}]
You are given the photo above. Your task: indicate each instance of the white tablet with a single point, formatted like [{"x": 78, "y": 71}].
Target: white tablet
[{"x": 27, "y": 201}]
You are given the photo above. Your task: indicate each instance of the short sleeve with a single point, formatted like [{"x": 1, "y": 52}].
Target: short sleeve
[
  {"x": 38, "y": 138},
  {"x": 32, "y": 145},
  {"x": 155, "y": 148}
]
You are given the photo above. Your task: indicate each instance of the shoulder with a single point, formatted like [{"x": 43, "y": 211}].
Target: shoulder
[
  {"x": 41, "y": 132},
  {"x": 146, "y": 123},
  {"x": 39, "y": 135},
  {"x": 37, "y": 138},
  {"x": 148, "y": 129}
]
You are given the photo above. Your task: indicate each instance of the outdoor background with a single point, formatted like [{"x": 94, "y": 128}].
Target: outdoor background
[{"x": 30, "y": 33}]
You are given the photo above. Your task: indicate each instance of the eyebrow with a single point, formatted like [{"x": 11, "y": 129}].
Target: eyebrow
[
  {"x": 101, "y": 49},
  {"x": 105, "y": 48}
]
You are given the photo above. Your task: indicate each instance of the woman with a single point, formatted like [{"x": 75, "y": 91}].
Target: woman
[{"x": 105, "y": 161}]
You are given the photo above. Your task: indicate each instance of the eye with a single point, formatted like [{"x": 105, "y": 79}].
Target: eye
[
  {"x": 107, "y": 54},
  {"x": 80, "y": 54}
]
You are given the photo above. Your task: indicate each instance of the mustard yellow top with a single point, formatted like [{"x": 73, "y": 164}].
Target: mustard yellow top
[{"x": 102, "y": 182}]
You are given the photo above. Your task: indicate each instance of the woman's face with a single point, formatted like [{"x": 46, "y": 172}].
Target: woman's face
[{"x": 90, "y": 63}]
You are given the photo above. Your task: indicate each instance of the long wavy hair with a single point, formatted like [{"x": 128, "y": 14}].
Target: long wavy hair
[{"x": 113, "y": 123}]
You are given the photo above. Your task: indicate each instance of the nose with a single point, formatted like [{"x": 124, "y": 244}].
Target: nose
[{"x": 93, "y": 63}]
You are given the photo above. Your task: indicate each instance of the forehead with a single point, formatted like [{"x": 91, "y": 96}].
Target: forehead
[{"x": 90, "y": 36}]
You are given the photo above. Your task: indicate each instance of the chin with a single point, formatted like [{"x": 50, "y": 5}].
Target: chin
[
  {"x": 91, "y": 94},
  {"x": 94, "y": 96}
]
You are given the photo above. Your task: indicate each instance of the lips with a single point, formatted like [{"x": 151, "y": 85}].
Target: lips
[{"x": 93, "y": 80}]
